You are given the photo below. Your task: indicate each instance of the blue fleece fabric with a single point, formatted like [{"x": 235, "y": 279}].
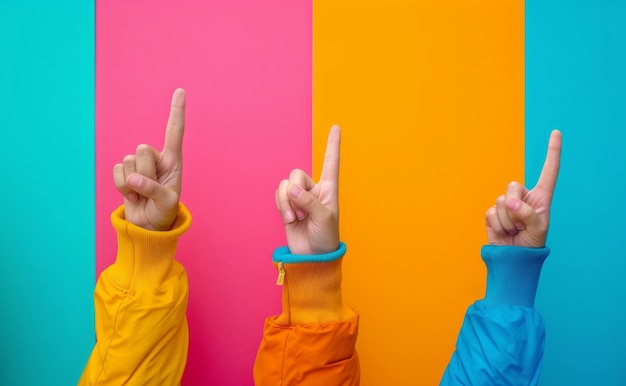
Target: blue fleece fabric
[
  {"x": 502, "y": 338},
  {"x": 283, "y": 255}
]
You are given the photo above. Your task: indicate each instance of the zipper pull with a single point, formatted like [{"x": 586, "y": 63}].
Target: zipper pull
[{"x": 281, "y": 274}]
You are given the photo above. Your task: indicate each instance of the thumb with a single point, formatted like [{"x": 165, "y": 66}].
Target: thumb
[
  {"x": 149, "y": 188},
  {"x": 306, "y": 201}
]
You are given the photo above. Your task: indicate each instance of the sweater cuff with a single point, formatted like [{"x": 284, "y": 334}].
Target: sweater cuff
[
  {"x": 144, "y": 257},
  {"x": 512, "y": 274},
  {"x": 283, "y": 255},
  {"x": 311, "y": 287}
]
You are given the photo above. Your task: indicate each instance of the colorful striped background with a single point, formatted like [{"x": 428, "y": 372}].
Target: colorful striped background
[{"x": 441, "y": 104}]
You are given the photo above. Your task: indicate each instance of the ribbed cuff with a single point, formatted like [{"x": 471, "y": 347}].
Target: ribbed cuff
[
  {"x": 283, "y": 255},
  {"x": 513, "y": 274},
  {"x": 144, "y": 257},
  {"x": 311, "y": 287}
]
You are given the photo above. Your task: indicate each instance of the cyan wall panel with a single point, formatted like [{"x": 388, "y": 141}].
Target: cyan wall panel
[
  {"x": 575, "y": 81},
  {"x": 47, "y": 191}
]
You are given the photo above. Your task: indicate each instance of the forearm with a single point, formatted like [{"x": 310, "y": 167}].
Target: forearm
[
  {"x": 140, "y": 303},
  {"x": 502, "y": 338}
]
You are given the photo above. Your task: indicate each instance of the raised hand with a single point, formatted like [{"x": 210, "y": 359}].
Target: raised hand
[
  {"x": 150, "y": 181},
  {"x": 521, "y": 216},
  {"x": 310, "y": 211}
]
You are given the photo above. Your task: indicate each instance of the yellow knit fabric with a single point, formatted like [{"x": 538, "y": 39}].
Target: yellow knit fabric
[{"x": 140, "y": 302}]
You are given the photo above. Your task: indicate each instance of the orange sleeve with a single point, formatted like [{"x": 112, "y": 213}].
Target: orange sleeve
[
  {"x": 308, "y": 355},
  {"x": 140, "y": 303},
  {"x": 312, "y": 342}
]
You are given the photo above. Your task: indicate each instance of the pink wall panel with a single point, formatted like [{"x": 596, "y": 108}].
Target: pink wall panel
[{"x": 246, "y": 66}]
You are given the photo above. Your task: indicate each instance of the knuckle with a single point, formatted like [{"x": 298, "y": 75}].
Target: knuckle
[
  {"x": 281, "y": 192},
  {"x": 142, "y": 149},
  {"x": 296, "y": 174},
  {"x": 129, "y": 158},
  {"x": 513, "y": 185}
]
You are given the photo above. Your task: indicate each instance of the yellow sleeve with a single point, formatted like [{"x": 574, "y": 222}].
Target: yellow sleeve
[{"x": 140, "y": 302}]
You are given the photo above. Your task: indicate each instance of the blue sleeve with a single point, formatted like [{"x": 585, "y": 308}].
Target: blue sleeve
[{"x": 502, "y": 338}]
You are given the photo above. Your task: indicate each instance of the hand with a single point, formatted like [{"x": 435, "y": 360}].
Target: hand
[
  {"x": 151, "y": 181},
  {"x": 310, "y": 211},
  {"x": 521, "y": 217}
]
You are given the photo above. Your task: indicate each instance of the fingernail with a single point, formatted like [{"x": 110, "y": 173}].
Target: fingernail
[
  {"x": 289, "y": 216},
  {"x": 513, "y": 232},
  {"x": 513, "y": 204},
  {"x": 295, "y": 191},
  {"x": 300, "y": 214},
  {"x": 132, "y": 197}
]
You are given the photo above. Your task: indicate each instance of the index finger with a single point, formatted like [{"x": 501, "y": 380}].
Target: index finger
[
  {"x": 330, "y": 170},
  {"x": 550, "y": 171},
  {"x": 175, "y": 123}
]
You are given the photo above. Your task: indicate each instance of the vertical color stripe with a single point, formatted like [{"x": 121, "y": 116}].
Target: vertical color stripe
[
  {"x": 47, "y": 239},
  {"x": 575, "y": 81},
  {"x": 246, "y": 66},
  {"x": 430, "y": 97}
]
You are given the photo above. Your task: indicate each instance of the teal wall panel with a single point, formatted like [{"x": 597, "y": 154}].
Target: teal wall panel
[
  {"x": 47, "y": 190},
  {"x": 576, "y": 82}
]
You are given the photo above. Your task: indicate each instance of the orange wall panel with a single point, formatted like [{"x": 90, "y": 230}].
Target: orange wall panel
[{"x": 430, "y": 97}]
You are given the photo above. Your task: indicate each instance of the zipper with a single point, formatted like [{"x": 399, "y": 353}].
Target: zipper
[{"x": 281, "y": 274}]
